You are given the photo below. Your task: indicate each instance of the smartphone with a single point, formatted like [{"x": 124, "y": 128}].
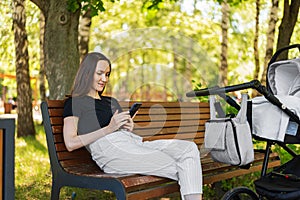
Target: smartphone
[{"x": 134, "y": 108}]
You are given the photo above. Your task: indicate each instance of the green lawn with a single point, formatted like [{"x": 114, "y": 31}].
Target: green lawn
[
  {"x": 32, "y": 168},
  {"x": 33, "y": 175}
]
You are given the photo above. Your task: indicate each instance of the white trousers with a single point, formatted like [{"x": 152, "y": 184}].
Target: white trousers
[{"x": 125, "y": 153}]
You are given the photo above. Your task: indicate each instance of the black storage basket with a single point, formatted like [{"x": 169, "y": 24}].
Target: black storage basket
[{"x": 281, "y": 184}]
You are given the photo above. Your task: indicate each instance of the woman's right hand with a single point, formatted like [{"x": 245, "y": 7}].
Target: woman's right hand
[{"x": 118, "y": 120}]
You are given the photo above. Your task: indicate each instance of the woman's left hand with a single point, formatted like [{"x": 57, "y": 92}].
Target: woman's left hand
[{"x": 129, "y": 125}]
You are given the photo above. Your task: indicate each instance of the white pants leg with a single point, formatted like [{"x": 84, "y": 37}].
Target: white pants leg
[
  {"x": 124, "y": 152},
  {"x": 187, "y": 161}
]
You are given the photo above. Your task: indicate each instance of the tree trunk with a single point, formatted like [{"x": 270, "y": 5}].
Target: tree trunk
[
  {"x": 175, "y": 77},
  {"x": 224, "y": 45},
  {"x": 61, "y": 47},
  {"x": 286, "y": 28},
  {"x": 42, "y": 76},
  {"x": 255, "y": 47},
  {"x": 142, "y": 79},
  {"x": 84, "y": 33},
  {"x": 270, "y": 38},
  {"x": 25, "y": 125}
]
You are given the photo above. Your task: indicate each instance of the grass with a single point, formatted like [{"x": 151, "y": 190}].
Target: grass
[
  {"x": 32, "y": 167},
  {"x": 33, "y": 174}
]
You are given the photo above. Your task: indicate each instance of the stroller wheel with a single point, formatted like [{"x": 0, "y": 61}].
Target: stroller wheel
[{"x": 240, "y": 193}]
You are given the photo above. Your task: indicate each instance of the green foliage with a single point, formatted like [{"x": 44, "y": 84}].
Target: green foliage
[
  {"x": 97, "y": 6},
  {"x": 232, "y": 2},
  {"x": 7, "y": 48},
  {"x": 7, "y": 52},
  {"x": 155, "y": 4},
  {"x": 201, "y": 24},
  {"x": 94, "y": 5},
  {"x": 73, "y": 5},
  {"x": 198, "y": 86},
  {"x": 284, "y": 156},
  {"x": 151, "y": 43}
]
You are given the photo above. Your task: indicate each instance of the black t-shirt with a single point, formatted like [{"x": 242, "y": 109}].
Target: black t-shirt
[{"x": 92, "y": 113}]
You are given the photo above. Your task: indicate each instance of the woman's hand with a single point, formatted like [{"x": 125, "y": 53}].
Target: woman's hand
[
  {"x": 119, "y": 120},
  {"x": 129, "y": 125}
]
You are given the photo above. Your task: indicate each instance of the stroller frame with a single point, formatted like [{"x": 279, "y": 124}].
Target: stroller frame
[{"x": 268, "y": 94}]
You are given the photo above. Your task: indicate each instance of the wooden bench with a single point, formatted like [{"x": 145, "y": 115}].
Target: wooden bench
[{"x": 155, "y": 120}]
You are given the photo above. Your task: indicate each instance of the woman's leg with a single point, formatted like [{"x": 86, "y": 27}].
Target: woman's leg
[
  {"x": 187, "y": 158},
  {"x": 193, "y": 197},
  {"x": 175, "y": 159},
  {"x": 124, "y": 155}
]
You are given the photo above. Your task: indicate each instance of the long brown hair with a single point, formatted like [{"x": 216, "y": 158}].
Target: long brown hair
[{"x": 84, "y": 78}]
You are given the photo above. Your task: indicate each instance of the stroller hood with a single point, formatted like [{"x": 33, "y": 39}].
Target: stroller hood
[{"x": 284, "y": 77}]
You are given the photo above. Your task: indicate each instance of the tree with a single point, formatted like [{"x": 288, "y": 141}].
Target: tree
[
  {"x": 25, "y": 124},
  {"x": 61, "y": 36},
  {"x": 286, "y": 28},
  {"x": 255, "y": 43},
  {"x": 61, "y": 53},
  {"x": 61, "y": 40},
  {"x": 270, "y": 38},
  {"x": 42, "y": 75},
  {"x": 60, "y": 45},
  {"x": 224, "y": 45},
  {"x": 7, "y": 47},
  {"x": 181, "y": 36}
]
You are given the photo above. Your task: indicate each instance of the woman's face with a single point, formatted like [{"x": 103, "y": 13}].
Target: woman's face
[{"x": 101, "y": 76}]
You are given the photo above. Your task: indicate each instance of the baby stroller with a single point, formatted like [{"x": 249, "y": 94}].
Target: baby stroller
[{"x": 283, "y": 84}]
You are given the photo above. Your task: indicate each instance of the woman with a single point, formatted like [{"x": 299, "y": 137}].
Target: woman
[{"x": 98, "y": 122}]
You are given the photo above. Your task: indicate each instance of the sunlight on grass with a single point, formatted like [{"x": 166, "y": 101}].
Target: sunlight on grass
[
  {"x": 32, "y": 168},
  {"x": 33, "y": 174}
]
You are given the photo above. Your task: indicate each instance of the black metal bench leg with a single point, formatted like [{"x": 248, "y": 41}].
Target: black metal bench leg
[{"x": 55, "y": 192}]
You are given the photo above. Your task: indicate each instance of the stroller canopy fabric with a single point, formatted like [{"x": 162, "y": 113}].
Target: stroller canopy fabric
[
  {"x": 269, "y": 121},
  {"x": 284, "y": 77}
]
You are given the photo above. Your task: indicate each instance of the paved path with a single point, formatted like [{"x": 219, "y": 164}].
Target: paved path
[{"x": 37, "y": 116}]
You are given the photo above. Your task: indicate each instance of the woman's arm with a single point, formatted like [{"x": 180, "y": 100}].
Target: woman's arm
[{"x": 74, "y": 141}]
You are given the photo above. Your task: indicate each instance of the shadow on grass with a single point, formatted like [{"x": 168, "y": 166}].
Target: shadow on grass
[
  {"x": 36, "y": 144},
  {"x": 85, "y": 194},
  {"x": 36, "y": 190}
]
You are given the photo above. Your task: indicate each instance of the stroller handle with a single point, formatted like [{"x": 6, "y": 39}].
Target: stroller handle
[
  {"x": 221, "y": 90},
  {"x": 254, "y": 84}
]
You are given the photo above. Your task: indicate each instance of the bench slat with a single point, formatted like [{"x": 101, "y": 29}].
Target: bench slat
[
  {"x": 149, "y": 104},
  {"x": 167, "y": 124},
  {"x": 175, "y": 130},
  {"x": 237, "y": 172},
  {"x": 169, "y": 117},
  {"x": 154, "y": 192},
  {"x": 198, "y": 139}
]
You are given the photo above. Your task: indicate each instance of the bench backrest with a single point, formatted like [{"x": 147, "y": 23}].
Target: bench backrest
[
  {"x": 154, "y": 120},
  {"x": 168, "y": 120}
]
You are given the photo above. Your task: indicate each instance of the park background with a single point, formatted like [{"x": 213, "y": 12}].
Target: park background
[{"x": 159, "y": 49}]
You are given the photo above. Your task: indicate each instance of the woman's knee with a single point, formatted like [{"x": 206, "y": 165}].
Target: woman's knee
[{"x": 192, "y": 148}]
